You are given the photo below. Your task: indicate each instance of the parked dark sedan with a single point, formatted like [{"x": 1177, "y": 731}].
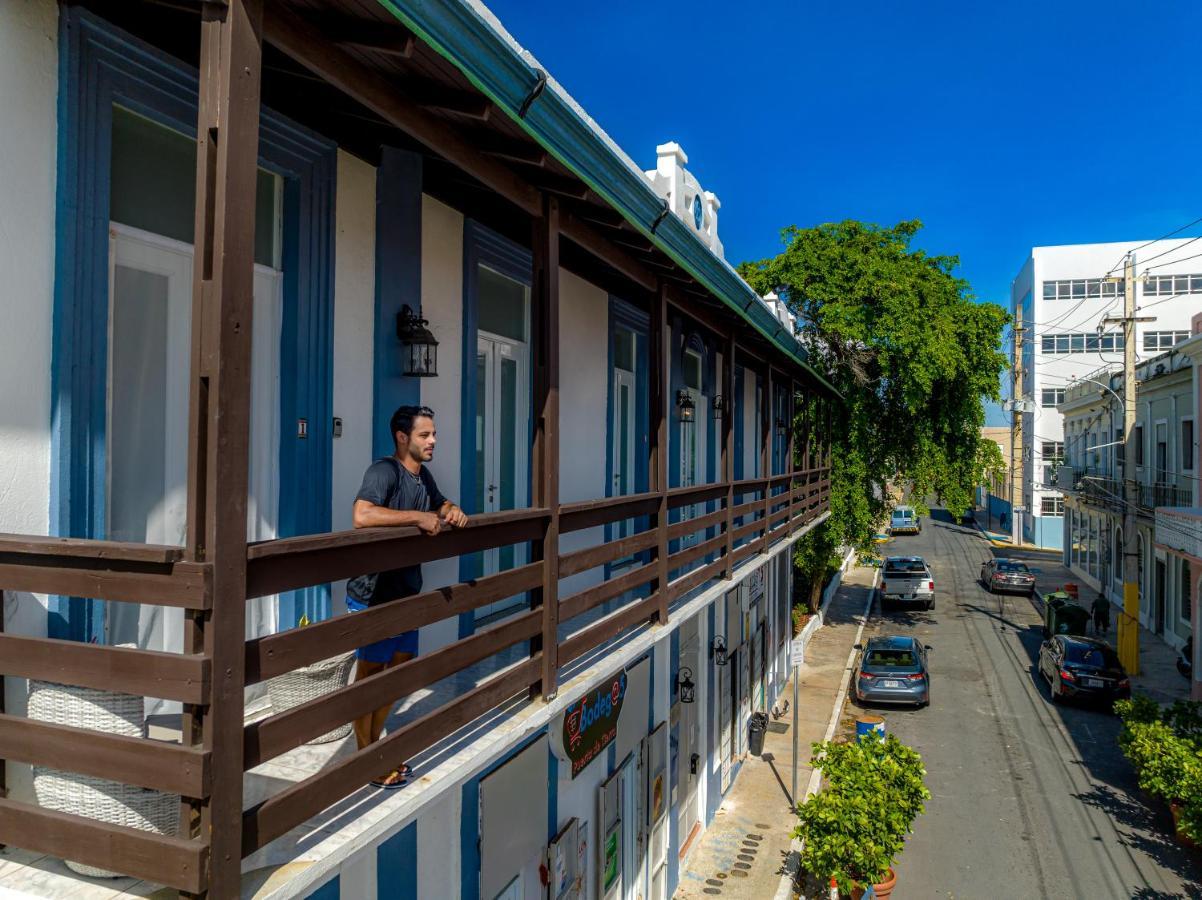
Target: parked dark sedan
[
  {"x": 1084, "y": 668},
  {"x": 1007, "y": 575},
  {"x": 893, "y": 669}
]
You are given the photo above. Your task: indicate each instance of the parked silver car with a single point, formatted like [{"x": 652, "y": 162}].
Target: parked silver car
[{"x": 893, "y": 669}]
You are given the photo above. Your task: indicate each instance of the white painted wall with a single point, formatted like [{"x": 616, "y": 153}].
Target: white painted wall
[
  {"x": 438, "y": 847},
  {"x": 28, "y": 90},
  {"x": 442, "y": 305},
  {"x": 583, "y": 397},
  {"x": 354, "y": 329}
]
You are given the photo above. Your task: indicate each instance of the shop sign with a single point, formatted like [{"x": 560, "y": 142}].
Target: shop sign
[
  {"x": 591, "y": 723},
  {"x": 755, "y": 583}
]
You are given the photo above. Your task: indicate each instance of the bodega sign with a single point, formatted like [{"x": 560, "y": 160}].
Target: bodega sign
[{"x": 591, "y": 723}]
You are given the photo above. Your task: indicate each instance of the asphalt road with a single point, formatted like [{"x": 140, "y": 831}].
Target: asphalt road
[{"x": 1029, "y": 800}]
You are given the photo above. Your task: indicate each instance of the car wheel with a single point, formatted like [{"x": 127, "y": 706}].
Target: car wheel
[{"x": 930, "y": 605}]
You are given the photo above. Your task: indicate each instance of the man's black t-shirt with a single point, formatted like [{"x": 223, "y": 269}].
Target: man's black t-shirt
[{"x": 389, "y": 484}]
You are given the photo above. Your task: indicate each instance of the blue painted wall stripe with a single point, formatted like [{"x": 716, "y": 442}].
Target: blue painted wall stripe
[
  {"x": 331, "y": 890},
  {"x": 398, "y": 284},
  {"x": 396, "y": 865}
]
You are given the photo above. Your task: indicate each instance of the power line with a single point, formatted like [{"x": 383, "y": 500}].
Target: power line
[
  {"x": 1174, "y": 261},
  {"x": 1153, "y": 241},
  {"x": 1171, "y": 250}
]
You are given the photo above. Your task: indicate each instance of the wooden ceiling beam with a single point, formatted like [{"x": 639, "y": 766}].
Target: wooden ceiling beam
[
  {"x": 310, "y": 47},
  {"x": 378, "y": 37},
  {"x": 583, "y": 234},
  {"x": 433, "y": 95},
  {"x": 525, "y": 152}
]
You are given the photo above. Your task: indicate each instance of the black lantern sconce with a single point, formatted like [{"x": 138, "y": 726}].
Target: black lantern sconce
[
  {"x": 718, "y": 651},
  {"x": 685, "y": 682},
  {"x": 781, "y": 428},
  {"x": 420, "y": 353},
  {"x": 719, "y": 406},
  {"x": 684, "y": 402}
]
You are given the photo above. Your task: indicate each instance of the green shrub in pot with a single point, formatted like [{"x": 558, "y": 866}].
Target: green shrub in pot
[{"x": 855, "y": 827}]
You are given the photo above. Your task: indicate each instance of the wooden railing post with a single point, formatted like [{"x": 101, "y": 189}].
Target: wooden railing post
[
  {"x": 728, "y": 450},
  {"x": 659, "y": 356},
  {"x": 545, "y": 310},
  {"x": 790, "y": 462},
  {"x": 767, "y": 423},
  {"x": 219, "y": 415}
]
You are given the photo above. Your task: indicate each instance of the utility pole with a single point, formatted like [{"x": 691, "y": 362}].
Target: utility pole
[
  {"x": 1016, "y": 431},
  {"x": 1129, "y": 620}
]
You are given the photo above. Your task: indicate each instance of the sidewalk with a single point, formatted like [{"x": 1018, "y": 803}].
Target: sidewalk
[
  {"x": 1158, "y": 676},
  {"x": 744, "y": 851}
]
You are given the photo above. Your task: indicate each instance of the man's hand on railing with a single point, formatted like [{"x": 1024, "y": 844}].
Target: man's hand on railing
[{"x": 429, "y": 522}]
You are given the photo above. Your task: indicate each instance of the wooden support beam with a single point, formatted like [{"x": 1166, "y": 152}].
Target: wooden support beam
[
  {"x": 659, "y": 406},
  {"x": 549, "y": 182},
  {"x": 494, "y": 144},
  {"x": 394, "y": 40},
  {"x": 310, "y": 47},
  {"x": 730, "y": 410},
  {"x": 584, "y": 235},
  {"x": 433, "y": 95},
  {"x": 767, "y": 423},
  {"x": 219, "y": 417},
  {"x": 545, "y": 456}
]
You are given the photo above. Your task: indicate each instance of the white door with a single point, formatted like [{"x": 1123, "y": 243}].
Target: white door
[
  {"x": 149, "y": 362},
  {"x": 632, "y": 791},
  {"x": 623, "y": 432},
  {"x": 658, "y": 812},
  {"x": 502, "y": 445}
]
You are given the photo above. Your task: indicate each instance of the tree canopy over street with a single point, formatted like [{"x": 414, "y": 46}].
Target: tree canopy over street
[{"x": 916, "y": 357}]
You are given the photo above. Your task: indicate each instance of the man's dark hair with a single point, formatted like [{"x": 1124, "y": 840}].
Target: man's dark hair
[{"x": 402, "y": 419}]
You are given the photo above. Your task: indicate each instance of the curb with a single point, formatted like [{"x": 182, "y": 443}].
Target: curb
[{"x": 784, "y": 890}]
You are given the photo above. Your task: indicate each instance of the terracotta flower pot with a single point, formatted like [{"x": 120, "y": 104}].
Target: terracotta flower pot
[
  {"x": 1175, "y": 807},
  {"x": 882, "y": 890}
]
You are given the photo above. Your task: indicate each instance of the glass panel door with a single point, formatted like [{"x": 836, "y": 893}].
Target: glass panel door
[
  {"x": 622, "y": 432},
  {"x": 502, "y": 446},
  {"x": 692, "y": 459},
  {"x": 150, "y": 291}
]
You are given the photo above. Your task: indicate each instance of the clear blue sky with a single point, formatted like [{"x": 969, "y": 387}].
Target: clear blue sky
[{"x": 1000, "y": 126}]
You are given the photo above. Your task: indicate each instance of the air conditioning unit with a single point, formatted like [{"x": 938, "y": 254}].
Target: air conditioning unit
[{"x": 1064, "y": 478}]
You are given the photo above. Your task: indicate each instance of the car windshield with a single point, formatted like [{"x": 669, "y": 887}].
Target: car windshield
[
  {"x": 1087, "y": 655},
  {"x": 887, "y": 658},
  {"x": 1012, "y": 567}
]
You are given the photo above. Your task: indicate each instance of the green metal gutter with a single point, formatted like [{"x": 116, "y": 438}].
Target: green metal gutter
[{"x": 457, "y": 31}]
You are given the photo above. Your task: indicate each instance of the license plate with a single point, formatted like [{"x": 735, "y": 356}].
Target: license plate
[
  {"x": 907, "y": 596},
  {"x": 891, "y": 684},
  {"x": 1094, "y": 682}
]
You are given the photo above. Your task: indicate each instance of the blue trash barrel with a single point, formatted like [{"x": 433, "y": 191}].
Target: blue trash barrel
[{"x": 870, "y": 726}]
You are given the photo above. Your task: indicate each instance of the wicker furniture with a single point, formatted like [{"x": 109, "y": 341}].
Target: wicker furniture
[
  {"x": 86, "y": 795},
  {"x": 308, "y": 683}
]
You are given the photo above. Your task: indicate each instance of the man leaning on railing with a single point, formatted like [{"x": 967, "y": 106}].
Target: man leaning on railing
[{"x": 397, "y": 490}]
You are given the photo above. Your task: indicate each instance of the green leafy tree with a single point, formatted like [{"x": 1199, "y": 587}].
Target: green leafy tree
[{"x": 914, "y": 356}]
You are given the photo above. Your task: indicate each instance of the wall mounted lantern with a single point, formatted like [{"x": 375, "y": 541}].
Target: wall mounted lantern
[
  {"x": 684, "y": 403},
  {"x": 781, "y": 428},
  {"x": 420, "y": 353},
  {"x": 687, "y": 689},
  {"x": 718, "y": 650},
  {"x": 719, "y": 406}
]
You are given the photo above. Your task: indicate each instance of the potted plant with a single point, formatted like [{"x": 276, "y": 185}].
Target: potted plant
[
  {"x": 855, "y": 827},
  {"x": 1164, "y": 746}
]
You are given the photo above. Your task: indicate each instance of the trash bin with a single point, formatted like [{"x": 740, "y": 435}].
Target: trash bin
[
  {"x": 759, "y": 725},
  {"x": 1063, "y": 616}
]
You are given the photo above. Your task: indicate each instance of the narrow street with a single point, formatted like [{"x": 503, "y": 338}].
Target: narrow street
[{"x": 1028, "y": 799}]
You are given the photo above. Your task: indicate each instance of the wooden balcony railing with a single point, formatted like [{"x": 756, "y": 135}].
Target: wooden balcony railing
[{"x": 709, "y": 541}]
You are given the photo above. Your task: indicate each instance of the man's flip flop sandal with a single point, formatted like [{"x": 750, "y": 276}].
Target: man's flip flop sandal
[{"x": 403, "y": 774}]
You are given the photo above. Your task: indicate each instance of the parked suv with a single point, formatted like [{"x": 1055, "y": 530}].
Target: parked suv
[
  {"x": 907, "y": 579},
  {"x": 904, "y": 520}
]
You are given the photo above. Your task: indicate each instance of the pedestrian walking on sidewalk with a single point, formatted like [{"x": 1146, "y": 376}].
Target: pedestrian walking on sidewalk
[{"x": 1101, "y": 615}]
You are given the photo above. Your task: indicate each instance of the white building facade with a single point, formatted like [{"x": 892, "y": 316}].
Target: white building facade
[
  {"x": 651, "y": 419},
  {"x": 1060, "y": 297}
]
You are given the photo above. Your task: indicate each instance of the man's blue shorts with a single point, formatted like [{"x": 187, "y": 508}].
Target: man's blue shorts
[{"x": 383, "y": 651}]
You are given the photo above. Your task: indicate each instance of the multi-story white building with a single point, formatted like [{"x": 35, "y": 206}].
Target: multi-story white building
[{"x": 1060, "y": 297}]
